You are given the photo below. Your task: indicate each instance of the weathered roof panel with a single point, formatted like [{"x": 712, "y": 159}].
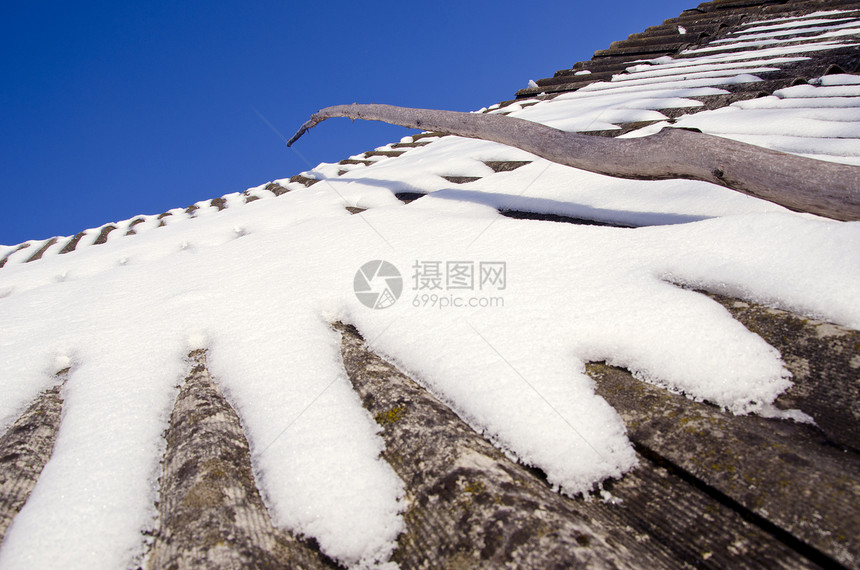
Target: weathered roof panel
[{"x": 709, "y": 488}]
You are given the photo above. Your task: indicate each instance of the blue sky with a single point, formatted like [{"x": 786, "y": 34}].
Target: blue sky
[{"x": 114, "y": 109}]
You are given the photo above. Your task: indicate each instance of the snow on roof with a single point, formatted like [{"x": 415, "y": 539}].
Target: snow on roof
[{"x": 494, "y": 315}]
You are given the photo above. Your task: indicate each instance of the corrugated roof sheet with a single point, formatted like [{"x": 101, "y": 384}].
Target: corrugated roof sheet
[{"x": 710, "y": 489}]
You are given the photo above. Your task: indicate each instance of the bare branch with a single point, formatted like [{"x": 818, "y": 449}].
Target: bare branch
[{"x": 802, "y": 184}]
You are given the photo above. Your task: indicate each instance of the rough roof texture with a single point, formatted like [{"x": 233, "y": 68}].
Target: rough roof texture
[
  {"x": 711, "y": 489},
  {"x": 710, "y": 26}
]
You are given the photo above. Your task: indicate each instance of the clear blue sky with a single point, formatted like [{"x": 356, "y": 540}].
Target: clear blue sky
[{"x": 113, "y": 109}]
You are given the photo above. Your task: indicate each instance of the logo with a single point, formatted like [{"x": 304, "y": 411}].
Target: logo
[{"x": 378, "y": 284}]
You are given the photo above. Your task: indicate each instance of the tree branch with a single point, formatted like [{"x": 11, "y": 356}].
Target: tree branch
[{"x": 802, "y": 184}]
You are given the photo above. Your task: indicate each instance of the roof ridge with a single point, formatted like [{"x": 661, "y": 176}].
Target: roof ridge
[{"x": 710, "y": 34}]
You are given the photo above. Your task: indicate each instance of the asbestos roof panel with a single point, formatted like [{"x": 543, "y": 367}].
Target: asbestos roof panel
[{"x": 294, "y": 352}]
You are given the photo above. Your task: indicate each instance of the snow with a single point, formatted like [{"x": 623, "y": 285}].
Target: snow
[
  {"x": 258, "y": 283},
  {"x": 262, "y": 302},
  {"x": 596, "y": 109},
  {"x": 768, "y": 33},
  {"x": 808, "y": 103},
  {"x": 820, "y": 121},
  {"x": 837, "y": 79},
  {"x": 767, "y": 54},
  {"x": 830, "y": 90},
  {"x": 126, "y": 329},
  {"x": 830, "y": 123},
  {"x": 793, "y": 21},
  {"x": 806, "y": 29},
  {"x": 647, "y": 71},
  {"x": 689, "y": 74},
  {"x": 768, "y": 42},
  {"x": 752, "y": 28}
]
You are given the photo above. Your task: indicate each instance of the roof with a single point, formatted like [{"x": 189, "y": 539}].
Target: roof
[{"x": 399, "y": 359}]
